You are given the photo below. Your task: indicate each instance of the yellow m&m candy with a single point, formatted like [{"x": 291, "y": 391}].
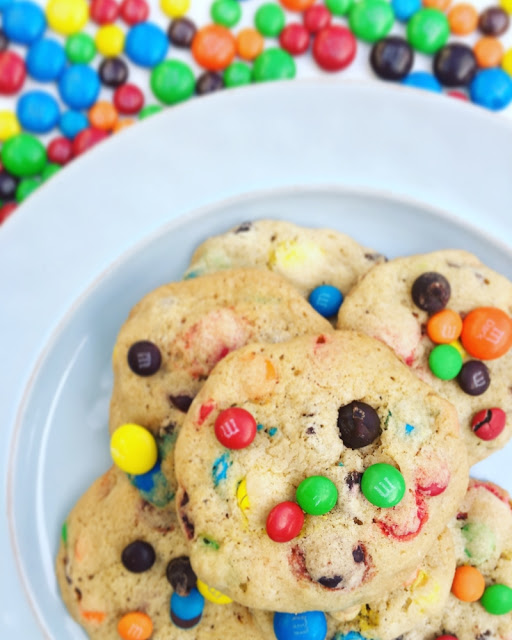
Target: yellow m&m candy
[
  {"x": 133, "y": 449},
  {"x": 212, "y": 594}
]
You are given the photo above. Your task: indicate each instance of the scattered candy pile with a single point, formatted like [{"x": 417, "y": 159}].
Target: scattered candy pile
[{"x": 92, "y": 44}]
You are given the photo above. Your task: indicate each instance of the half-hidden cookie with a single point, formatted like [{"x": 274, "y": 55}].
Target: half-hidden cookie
[
  {"x": 176, "y": 334},
  {"x": 341, "y": 430},
  {"x": 432, "y": 308},
  {"x": 122, "y": 563},
  {"x": 480, "y": 605},
  {"x": 304, "y": 256},
  {"x": 423, "y": 595}
]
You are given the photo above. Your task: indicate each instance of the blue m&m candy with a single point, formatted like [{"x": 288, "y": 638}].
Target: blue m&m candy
[
  {"x": 72, "y": 122},
  {"x": 326, "y": 300},
  {"x": 46, "y": 60},
  {"x": 310, "y": 625},
  {"x": 422, "y": 80},
  {"x": 79, "y": 86},
  {"x": 153, "y": 486},
  {"x": 37, "y": 111},
  {"x": 404, "y": 9},
  {"x": 186, "y": 611},
  {"x": 146, "y": 44},
  {"x": 491, "y": 88},
  {"x": 23, "y": 22}
]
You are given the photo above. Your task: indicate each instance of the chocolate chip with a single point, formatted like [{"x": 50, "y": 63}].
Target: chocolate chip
[
  {"x": 310, "y": 430},
  {"x": 353, "y": 478},
  {"x": 474, "y": 378},
  {"x": 182, "y": 402},
  {"x": 462, "y": 516},
  {"x": 188, "y": 525},
  {"x": 245, "y": 226},
  {"x": 181, "y": 32},
  {"x": 358, "y": 424},
  {"x": 138, "y": 556},
  {"x": 359, "y": 554},
  {"x": 330, "y": 582},
  {"x": 431, "y": 292},
  {"x": 144, "y": 358},
  {"x": 184, "y": 499},
  {"x": 208, "y": 82},
  {"x": 181, "y": 575},
  {"x": 113, "y": 72}
]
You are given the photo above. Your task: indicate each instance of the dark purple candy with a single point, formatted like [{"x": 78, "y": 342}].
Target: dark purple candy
[
  {"x": 391, "y": 58},
  {"x": 331, "y": 582},
  {"x": 8, "y": 184},
  {"x": 181, "y": 402},
  {"x": 431, "y": 292},
  {"x": 181, "y": 32},
  {"x": 180, "y": 574},
  {"x": 474, "y": 378},
  {"x": 208, "y": 82},
  {"x": 113, "y": 72},
  {"x": 144, "y": 358},
  {"x": 358, "y": 424},
  {"x": 494, "y": 21},
  {"x": 138, "y": 556},
  {"x": 455, "y": 65}
]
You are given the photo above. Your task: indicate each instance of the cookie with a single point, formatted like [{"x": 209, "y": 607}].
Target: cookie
[
  {"x": 122, "y": 561},
  {"x": 176, "y": 334},
  {"x": 418, "y": 306},
  {"x": 422, "y": 596},
  {"x": 482, "y": 533},
  {"x": 306, "y": 257},
  {"x": 340, "y": 427}
]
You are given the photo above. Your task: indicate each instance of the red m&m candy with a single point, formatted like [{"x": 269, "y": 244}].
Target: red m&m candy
[
  {"x": 235, "y": 428},
  {"x": 489, "y": 423},
  {"x": 12, "y": 73},
  {"x": 285, "y": 521},
  {"x": 334, "y": 48}
]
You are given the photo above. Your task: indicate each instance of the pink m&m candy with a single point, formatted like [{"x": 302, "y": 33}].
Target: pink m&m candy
[{"x": 235, "y": 428}]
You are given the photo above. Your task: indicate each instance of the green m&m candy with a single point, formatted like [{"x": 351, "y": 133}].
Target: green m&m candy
[
  {"x": 273, "y": 64},
  {"x": 317, "y": 495},
  {"x": 226, "y": 12},
  {"x": 25, "y": 187},
  {"x": 428, "y": 30},
  {"x": 149, "y": 110},
  {"x": 338, "y": 7},
  {"x": 371, "y": 20},
  {"x": 237, "y": 74},
  {"x": 172, "y": 81},
  {"x": 23, "y": 155},
  {"x": 497, "y": 599},
  {"x": 80, "y": 48},
  {"x": 383, "y": 485},
  {"x": 269, "y": 20},
  {"x": 445, "y": 362},
  {"x": 64, "y": 533}
]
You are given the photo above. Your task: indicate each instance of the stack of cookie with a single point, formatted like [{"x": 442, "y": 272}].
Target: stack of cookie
[{"x": 291, "y": 427}]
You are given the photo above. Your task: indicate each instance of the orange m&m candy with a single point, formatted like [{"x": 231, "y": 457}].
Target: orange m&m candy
[
  {"x": 444, "y": 326},
  {"x": 103, "y": 115},
  {"x": 214, "y": 47},
  {"x": 135, "y": 626},
  {"x": 249, "y": 43},
  {"x": 297, "y": 5},
  {"x": 463, "y": 19},
  {"x": 468, "y": 584},
  {"x": 442, "y": 5},
  {"x": 488, "y": 52},
  {"x": 487, "y": 333}
]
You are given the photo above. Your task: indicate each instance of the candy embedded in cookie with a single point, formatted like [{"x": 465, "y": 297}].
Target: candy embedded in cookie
[
  {"x": 354, "y": 470},
  {"x": 480, "y": 603},
  {"x": 321, "y": 263},
  {"x": 123, "y": 572},
  {"x": 166, "y": 349},
  {"x": 448, "y": 317}
]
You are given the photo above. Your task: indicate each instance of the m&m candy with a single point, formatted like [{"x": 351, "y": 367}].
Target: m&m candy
[
  {"x": 135, "y": 626},
  {"x": 326, "y": 300},
  {"x": 489, "y": 423},
  {"x": 284, "y": 522},
  {"x": 309, "y": 625},
  {"x": 383, "y": 485},
  {"x": 235, "y": 428},
  {"x": 133, "y": 449},
  {"x": 317, "y": 495},
  {"x": 445, "y": 362},
  {"x": 487, "y": 333},
  {"x": 497, "y": 599},
  {"x": 468, "y": 584},
  {"x": 187, "y": 611}
]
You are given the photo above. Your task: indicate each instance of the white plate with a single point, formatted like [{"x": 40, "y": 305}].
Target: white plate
[{"x": 367, "y": 159}]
